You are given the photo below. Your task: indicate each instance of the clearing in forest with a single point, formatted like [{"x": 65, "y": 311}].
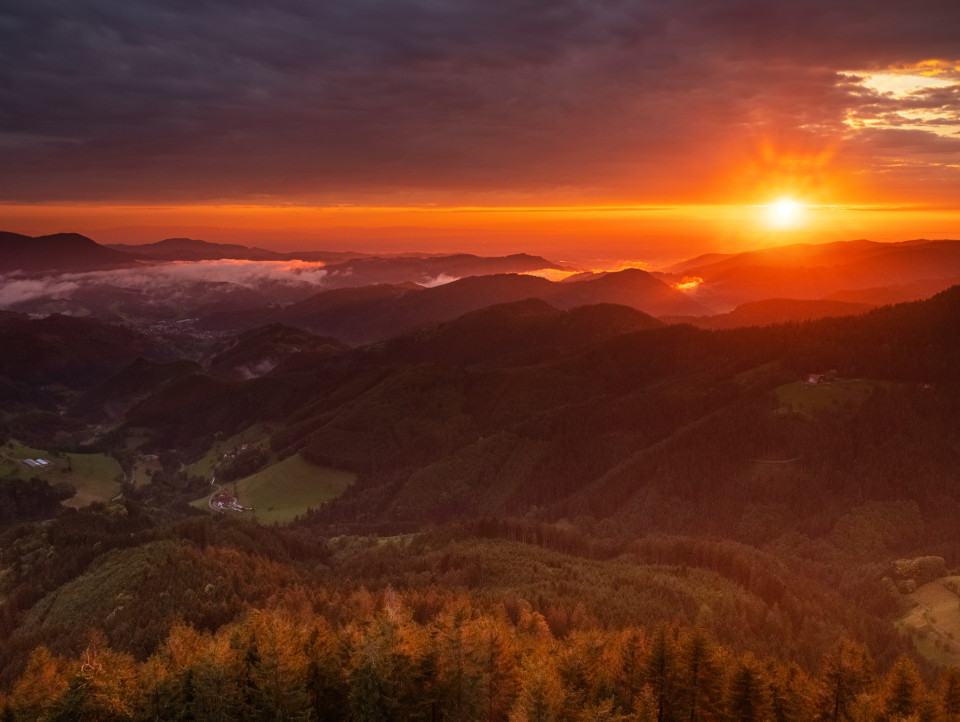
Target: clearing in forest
[
  {"x": 285, "y": 490},
  {"x": 934, "y": 620}
]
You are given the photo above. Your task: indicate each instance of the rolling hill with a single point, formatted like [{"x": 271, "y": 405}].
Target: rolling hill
[
  {"x": 772, "y": 311},
  {"x": 57, "y": 252},
  {"x": 75, "y": 352},
  {"x": 189, "y": 249},
  {"x": 586, "y": 478},
  {"x": 259, "y": 351},
  {"x": 375, "y": 313},
  {"x": 808, "y": 271},
  {"x": 521, "y": 406}
]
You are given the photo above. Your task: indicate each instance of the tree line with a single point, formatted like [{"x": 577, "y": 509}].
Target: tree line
[{"x": 374, "y": 659}]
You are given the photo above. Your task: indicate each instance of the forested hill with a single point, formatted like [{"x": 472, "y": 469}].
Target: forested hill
[
  {"x": 557, "y": 480},
  {"x": 526, "y": 407}
]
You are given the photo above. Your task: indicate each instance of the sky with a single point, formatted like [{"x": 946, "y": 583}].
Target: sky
[{"x": 632, "y": 127}]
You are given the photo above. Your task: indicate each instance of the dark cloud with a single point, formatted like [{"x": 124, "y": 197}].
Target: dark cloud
[{"x": 208, "y": 99}]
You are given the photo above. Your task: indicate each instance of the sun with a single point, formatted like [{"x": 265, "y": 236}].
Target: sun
[{"x": 784, "y": 213}]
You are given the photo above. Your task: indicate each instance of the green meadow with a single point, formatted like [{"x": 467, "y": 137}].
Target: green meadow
[
  {"x": 285, "y": 490},
  {"x": 96, "y": 477},
  {"x": 834, "y": 396}
]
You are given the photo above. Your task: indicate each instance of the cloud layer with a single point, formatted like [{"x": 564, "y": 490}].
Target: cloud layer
[
  {"x": 166, "y": 278},
  {"x": 380, "y": 100}
]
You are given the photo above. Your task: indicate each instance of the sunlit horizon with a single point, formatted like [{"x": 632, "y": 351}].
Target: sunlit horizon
[{"x": 658, "y": 235}]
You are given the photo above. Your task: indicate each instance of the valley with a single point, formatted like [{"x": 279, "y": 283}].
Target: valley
[
  {"x": 470, "y": 361},
  {"x": 569, "y": 482}
]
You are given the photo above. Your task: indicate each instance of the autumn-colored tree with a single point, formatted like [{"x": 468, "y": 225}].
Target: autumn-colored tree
[
  {"x": 845, "y": 673},
  {"x": 214, "y": 682},
  {"x": 589, "y": 667},
  {"x": 279, "y": 670},
  {"x": 106, "y": 687},
  {"x": 948, "y": 694},
  {"x": 373, "y": 682},
  {"x": 701, "y": 679},
  {"x": 459, "y": 669},
  {"x": 903, "y": 694},
  {"x": 747, "y": 695},
  {"x": 44, "y": 680},
  {"x": 790, "y": 692},
  {"x": 541, "y": 697},
  {"x": 633, "y": 654},
  {"x": 662, "y": 676},
  {"x": 498, "y": 666},
  {"x": 325, "y": 675}
]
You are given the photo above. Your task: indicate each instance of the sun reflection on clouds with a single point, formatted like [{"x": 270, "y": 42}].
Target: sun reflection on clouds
[
  {"x": 688, "y": 284},
  {"x": 924, "y": 96},
  {"x": 551, "y": 274},
  {"x": 901, "y": 85}
]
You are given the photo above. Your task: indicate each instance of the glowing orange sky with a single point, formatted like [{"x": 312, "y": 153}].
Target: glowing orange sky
[
  {"x": 658, "y": 235},
  {"x": 639, "y": 129}
]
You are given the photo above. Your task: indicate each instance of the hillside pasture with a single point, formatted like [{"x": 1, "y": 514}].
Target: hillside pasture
[
  {"x": 206, "y": 465},
  {"x": 841, "y": 396},
  {"x": 96, "y": 477},
  {"x": 283, "y": 491},
  {"x": 933, "y": 621}
]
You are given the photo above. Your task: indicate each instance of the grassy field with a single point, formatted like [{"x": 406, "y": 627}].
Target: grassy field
[
  {"x": 256, "y": 434},
  {"x": 934, "y": 621},
  {"x": 282, "y": 491},
  {"x": 140, "y": 475},
  {"x": 287, "y": 489},
  {"x": 834, "y": 396},
  {"x": 96, "y": 476}
]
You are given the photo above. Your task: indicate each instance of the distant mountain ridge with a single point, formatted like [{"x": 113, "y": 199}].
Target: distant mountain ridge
[
  {"x": 374, "y": 313},
  {"x": 189, "y": 249},
  {"x": 527, "y": 331},
  {"x": 774, "y": 310},
  {"x": 57, "y": 252},
  {"x": 347, "y": 268},
  {"x": 375, "y": 297},
  {"x": 817, "y": 271}
]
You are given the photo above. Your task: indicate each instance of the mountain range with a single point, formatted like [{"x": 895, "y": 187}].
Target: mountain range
[
  {"x": 892, "y": 272},
  {"x": 374, "y": 313},
  {"x": 856, "y": 272},
  {"x": 57, "y": 252},
  {"x": 585, "y": 472}
]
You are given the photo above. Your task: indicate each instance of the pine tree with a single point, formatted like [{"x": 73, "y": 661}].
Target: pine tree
[
  {"x": 661, "y": 676},
  {"x": 845, "y": 673},
  {"x": 373, "y": 682},
  {"x": 903, "y": 692},
  {"x": 541, "y": 696},
  {"x": 949, "y": 694},
  {"x": 789, "y": 695},
  {"x": 700, "y": 679},
  {"x": 633, "y": 655},
  {"x": 498, "y": 670},
  {"x": 459, "y": 677},
  {"x": 325, "y": 680},
  {"x": 747, "y": 694}
]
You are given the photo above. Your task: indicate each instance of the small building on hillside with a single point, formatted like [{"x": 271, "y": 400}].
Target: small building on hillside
[{"x": 225, "y": 502}]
